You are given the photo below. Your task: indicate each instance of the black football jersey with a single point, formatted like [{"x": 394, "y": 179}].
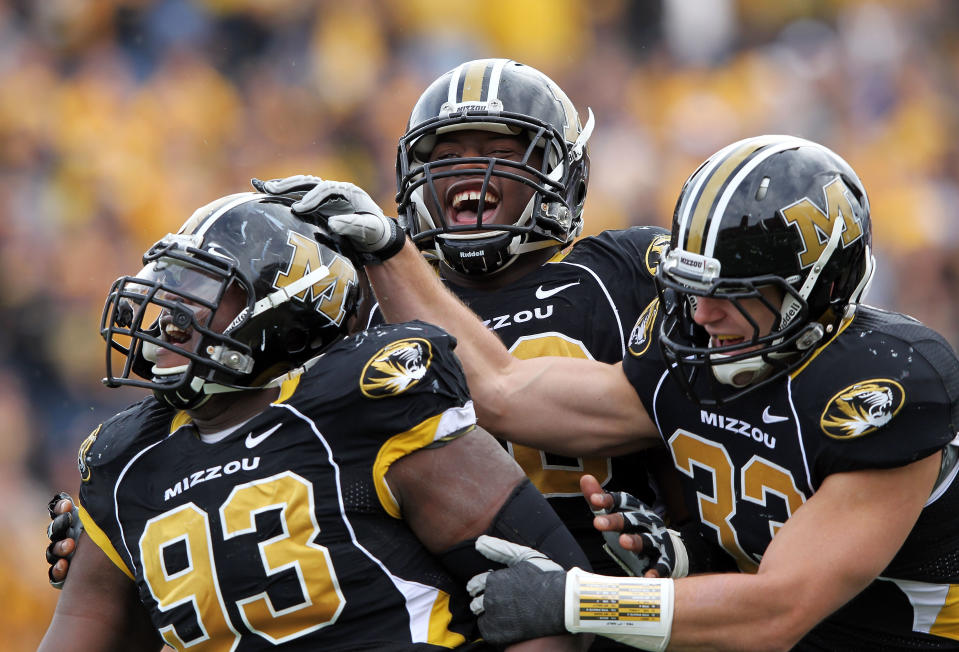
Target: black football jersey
[
  {"x": 582, "y": 303},
  {"x": 881, "y": 393},
  {"x": 285, "y": 532}
]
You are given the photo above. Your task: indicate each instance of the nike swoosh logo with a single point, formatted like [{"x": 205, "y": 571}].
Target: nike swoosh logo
[
  {"x": 252, "y": 441},
  {"x": 546, "y": 294},
  {"x": 772, "y": 418}
]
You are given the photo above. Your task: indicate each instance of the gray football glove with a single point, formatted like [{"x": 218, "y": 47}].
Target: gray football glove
[
  {"x": 350, "y": 213},
  {"x": 663, "y": 548},
  {"x": 62, "y": 526},
  {"x": 522, "y": 601}
]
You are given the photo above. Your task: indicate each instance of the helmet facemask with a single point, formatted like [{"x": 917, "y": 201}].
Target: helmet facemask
[
  {"x": 508, "y": 99},
  {"x": 169, "y": 311},
  {"x": 773, "y": 212},
  {"x": 774, "y": 347}
]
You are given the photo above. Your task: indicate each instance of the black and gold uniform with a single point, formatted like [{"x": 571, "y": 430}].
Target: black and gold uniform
[
  {"x": 285, "y": 532},
  {"x": 581, "y": 303},
  {"x": 881, "y": 393}
]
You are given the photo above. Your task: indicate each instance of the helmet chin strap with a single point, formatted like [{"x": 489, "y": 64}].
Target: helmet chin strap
[{"x": 741, "y": 373}]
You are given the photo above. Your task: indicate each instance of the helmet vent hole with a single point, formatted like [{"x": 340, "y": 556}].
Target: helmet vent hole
[{"x": 763, "y": 189}]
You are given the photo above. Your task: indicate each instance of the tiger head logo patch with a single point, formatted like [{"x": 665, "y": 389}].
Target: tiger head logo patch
[
  {"x": 396, "y": 367},
  {"x": 642, "y": 333},
  {"x": 82, "y": 454},
  {"x": 654, "y": 253},
  {"x": 862, "y": 408}
]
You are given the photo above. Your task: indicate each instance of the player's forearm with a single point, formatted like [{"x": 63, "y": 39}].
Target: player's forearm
[
  {"x": 570, "y": 643},
  {"x": 707, "y": 612},
  {"x": 743, "y": 612}
]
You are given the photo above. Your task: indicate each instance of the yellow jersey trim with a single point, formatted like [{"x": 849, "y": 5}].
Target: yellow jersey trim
[
  {"x": 100, "y": 538},
  {"x": 397, "y": 446},
  {"x": 439, "y": 627},
  {"x": 843, "y": 326}
]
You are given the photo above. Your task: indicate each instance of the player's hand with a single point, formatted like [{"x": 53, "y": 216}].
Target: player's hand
[
  {"x": 296, "y": 183},
  {"x": 636, "y": 536},
  {"x": 350, "y": 212},
  {"x": 522, "y": 601},
  {"x": 63, "y": 532}
]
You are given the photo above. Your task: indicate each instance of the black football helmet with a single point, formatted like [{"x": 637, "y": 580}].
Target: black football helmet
[
  {"x": 505, "y": 97},
  {"x": 299, "y": 291},
  {"x": 766, "y": 212}
]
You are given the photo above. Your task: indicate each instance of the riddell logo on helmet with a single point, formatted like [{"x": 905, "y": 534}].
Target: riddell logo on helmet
[{"x": 471, "y": 254}]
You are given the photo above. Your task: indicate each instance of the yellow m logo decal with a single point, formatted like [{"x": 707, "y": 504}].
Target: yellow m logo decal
[
  {"x": 815, "y": 225},
  {"x": 330, "y": 292}
]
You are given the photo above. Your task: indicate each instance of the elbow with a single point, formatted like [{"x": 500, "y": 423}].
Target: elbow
[
  {"x": 492, "y": 399},
  {"x": 491, "y": 404}
]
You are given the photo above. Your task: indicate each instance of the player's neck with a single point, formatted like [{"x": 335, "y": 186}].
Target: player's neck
[
  {"x": 232, "y": 408},
  {"x": 525, "y": 264}
]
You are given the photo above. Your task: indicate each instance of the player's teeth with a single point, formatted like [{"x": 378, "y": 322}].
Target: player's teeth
[{"x": 472, "y": 195}]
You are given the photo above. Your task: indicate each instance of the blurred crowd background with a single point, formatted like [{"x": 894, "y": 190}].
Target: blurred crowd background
[{"x": 119, "y": 117}]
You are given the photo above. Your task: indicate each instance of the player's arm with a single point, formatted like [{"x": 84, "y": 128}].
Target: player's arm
[
  {"x": 839, "y": 541},
  {"x": 570, "y": 406},
  {"x": 828, "y": 551},
  {"x": 98, "y": 608},
  {"x": 470, "y": 486},
  {"x": 571, "y": 396}
]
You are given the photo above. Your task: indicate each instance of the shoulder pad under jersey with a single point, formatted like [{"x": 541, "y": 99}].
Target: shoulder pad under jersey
[
  {"x": 640, "y": 244},
  {"x": 146, "y": 420}
]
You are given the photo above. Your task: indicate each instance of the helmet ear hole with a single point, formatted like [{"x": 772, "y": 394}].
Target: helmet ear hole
[{"x": 580, "y": 194}]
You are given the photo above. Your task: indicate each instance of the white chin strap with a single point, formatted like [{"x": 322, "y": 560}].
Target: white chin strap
[{"x": 741, "y": 373}]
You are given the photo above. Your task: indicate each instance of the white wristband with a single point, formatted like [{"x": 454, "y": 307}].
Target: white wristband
[
  {"x": 636, "y": 611},
  {"x": 681, "y": 567}
]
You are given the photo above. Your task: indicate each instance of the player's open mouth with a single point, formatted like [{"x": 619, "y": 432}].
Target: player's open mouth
[
  {"x": 464, "y": 204},
  {"x": 719, "y": 341},
  {"x": 167, "y": 358},
  {"x": 175, "y": 335}
]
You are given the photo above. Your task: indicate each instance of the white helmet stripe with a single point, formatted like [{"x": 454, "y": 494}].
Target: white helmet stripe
[
  {"x": 455, "y": 82},
  {"x": 719, "y": 208},
  {"x": 495, "y": 74},
  {"x": 686, "y": 216}
]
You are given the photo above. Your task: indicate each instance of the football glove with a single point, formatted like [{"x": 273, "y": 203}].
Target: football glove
[
  {"x": 522, "y": 601},
  {"x": 349, "y": 212},
  {"x": 61, "y": 527},
  {"x": 663, "y": 548}
]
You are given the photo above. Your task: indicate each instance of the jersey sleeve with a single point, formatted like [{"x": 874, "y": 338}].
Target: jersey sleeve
[
  {"x": 629, "y": 257},
  {"x": 403, "y": 390},
  {"x": 882, "y": 401},
  {"x": 102, "y": 457},
  {"x": 643, "y": 363}
]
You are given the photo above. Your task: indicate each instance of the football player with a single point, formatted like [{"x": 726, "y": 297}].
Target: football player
[
  {"x": 492, "y": 175},
  {"x": 815, "y": 435},
  {"x": 284, "y": 484}
]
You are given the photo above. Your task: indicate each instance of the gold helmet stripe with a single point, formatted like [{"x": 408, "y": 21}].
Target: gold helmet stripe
[
  {"x": 710, "y": 182},
  {"x": 476, "y": 81},
  {"x": 196, "y": 225},
  {"x": 724, "y": 173},
  {"x": 473, "y": 81},
  {"x": 770, "y": 145}
]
